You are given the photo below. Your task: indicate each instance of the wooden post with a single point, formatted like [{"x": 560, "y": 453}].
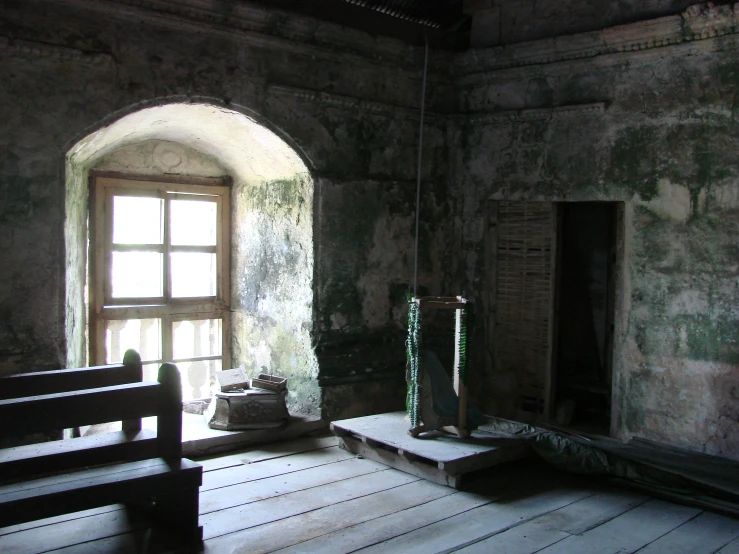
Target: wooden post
[
  {"x": 169, "y": 419},
  {"x": 135, "y": 373}
]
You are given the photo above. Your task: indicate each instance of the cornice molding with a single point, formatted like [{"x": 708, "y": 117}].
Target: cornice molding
[
  {"x": 546, "y": 114},
  {"x": 256, "y": 26},
  {"x": 347, "y": 102},
  {"x": 698, "y": 22},
  {"x": 491, "y": 118},
  {"x": 35, "y": 50},
  {"x": 29, "y": 49}
]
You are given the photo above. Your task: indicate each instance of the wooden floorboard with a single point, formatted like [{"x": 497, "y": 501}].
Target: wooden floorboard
[
  {"x": 280, "y": 507},
  {"x": 69, "y": 533},
  {"x": 141, "y": 541},
  {"x": 49, "y": 521},
  {"x": 478, "y": 524},
  {"x": 313, "y": 526},
  {"x": 558, "y": 525},
  {"x": 325, "y": 500},
  {"x": 253, "y": 491},
  {"x": 278, "y": 450},
  {"x": 628, "y": 532},
  {"x": 262, "y": 452},
  {"x": 226, "y": 477},
  {"x": 252, "y": 472},
  {"x": 360, "y": 535},
  {"x": 703, "y": 534},
  {"x": 482, "y": 491},
  {"x": 731, "y": 548}
]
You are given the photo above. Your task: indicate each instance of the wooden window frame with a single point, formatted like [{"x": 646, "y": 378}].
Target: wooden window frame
[{"x": 104, "y": 308}]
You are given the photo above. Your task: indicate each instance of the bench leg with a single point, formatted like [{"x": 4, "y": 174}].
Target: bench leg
[{"x": 178, "y": 511}]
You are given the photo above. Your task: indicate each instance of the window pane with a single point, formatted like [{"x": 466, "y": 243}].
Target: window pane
[
  {"x": 136, "y": 274},
  {"x": 143, "y": 335},
  {"x": 193, "y": 222},
  {"x": 195, "y": 338},
  {"x": 137, "y": 220},
  {"x": 198, "y": 378},
  {"x": 193, "y": 274}
]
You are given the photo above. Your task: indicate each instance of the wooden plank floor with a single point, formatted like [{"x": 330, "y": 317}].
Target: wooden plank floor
[{"x": 310, "y": 496}]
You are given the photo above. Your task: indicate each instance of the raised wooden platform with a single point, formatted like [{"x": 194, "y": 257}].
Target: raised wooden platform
[{"x": 438, "y": 457}]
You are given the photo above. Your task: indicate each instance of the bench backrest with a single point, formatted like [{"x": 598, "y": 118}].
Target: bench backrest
[
  {"x": 88, "y": 396},
  {"x": 66, "y": 380}
]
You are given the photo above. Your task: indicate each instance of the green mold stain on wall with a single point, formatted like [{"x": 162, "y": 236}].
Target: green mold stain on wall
[
  {"x": 632, "y": 162},
  {"x": 278, "y": 196},
  {"x": 711, "y": 339}
]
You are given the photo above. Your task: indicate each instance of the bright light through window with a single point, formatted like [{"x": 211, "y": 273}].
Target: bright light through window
[
  {"x": 193, "y": 222},
  {"x": 137, "y": 220},
  {"x": 159, "y": 262}
]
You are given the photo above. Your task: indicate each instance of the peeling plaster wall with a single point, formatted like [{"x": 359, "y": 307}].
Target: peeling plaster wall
[
  {"x": 272, "y": 256},
  {"x": 658, "y": 130},
  {"x": 512, "y": 21},
  {"x": 644, "y": 114},
  {"x": 345, "y": 102}
]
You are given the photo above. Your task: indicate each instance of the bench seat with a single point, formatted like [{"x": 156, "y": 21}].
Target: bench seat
[
  {"x": 155, "y": 485},
  {"x": 64, "y": 455}
]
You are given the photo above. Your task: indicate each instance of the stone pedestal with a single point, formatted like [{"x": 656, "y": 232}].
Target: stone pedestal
[{"x": 251, "y": 409}]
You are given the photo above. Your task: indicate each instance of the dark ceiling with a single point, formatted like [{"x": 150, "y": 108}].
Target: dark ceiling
[
  {"x": 438, "y": 14},
  {"x": 441, "y": 22}
]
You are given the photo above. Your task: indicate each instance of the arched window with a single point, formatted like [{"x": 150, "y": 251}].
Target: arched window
[{"x": 133, "y": 289}]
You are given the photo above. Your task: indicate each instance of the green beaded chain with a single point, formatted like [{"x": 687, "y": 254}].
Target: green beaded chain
[
  {"x": 462, "y": 346},
  {"x": 411, "y": 344}
]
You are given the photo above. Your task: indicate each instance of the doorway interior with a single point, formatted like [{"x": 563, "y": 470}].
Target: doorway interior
[{"x": 582, "y": 361}]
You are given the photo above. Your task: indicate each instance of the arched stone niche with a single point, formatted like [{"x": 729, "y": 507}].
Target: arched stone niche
[{"x": 271, "y": 228}]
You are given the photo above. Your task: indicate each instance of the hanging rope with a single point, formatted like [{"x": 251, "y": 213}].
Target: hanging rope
[{"x": 420, "y": 161}]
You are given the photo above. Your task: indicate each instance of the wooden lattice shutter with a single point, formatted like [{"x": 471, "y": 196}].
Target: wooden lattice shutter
[{"x": 523, "y": 247}]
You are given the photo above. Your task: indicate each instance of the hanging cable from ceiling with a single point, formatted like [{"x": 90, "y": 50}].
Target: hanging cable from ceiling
[{"x": 420, "y": 169}]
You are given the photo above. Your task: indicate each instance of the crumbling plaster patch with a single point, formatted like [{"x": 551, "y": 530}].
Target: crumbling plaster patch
[{"x": 673, "y": 201}]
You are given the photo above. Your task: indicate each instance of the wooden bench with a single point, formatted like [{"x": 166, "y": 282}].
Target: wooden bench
[{"x": 139, "y": 468}]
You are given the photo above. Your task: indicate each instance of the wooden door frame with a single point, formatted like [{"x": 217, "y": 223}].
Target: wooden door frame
[{"x": 616, "y": 297}]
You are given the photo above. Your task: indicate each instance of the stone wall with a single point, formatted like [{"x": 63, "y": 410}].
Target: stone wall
[
  {"x": 510, "y": 21},
  {"x": 345, "y": 102},
  {"x": 657, "y": 129},
  {"x": 643, "y": 113}
]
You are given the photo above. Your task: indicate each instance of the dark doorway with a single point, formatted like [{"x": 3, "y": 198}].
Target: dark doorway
[{"x": 584, "y": 328}]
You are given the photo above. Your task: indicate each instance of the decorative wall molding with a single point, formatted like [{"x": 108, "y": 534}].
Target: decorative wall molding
[
  {"x": 492, "y": 118},
  {"x": 698, "y": 22},
  {"x": 257, "y": 26},
  {"x": 546, "y": 114},
  {"x": 348, "y": 102},
  {"x": 29, "y": 49},
  {"x": 23, "y": 48}
]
